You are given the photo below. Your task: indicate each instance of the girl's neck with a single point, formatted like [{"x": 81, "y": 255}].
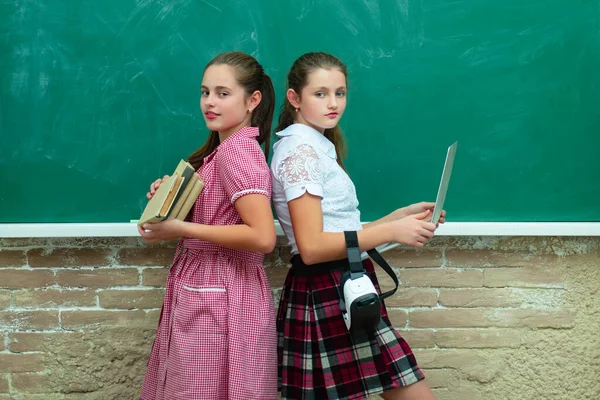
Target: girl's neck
[
  {"x": 225, "y": 134},
  {"x": 303, "y": 122}
]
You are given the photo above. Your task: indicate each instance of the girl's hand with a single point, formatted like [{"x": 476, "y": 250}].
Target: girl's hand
[
  {"x": 413, "y": 230},
  {"x": 418, "y": 208},
  {"x": 155, "y": 186},
  {"x": 165, "y": 230}
]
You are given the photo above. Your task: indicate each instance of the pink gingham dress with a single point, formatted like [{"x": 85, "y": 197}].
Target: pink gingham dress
[{"x": 216, "y": 337}]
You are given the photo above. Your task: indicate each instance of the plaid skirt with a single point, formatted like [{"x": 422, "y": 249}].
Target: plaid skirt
[{"x": 319, "y": 359}]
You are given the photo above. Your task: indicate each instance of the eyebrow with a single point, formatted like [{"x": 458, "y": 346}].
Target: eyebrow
[
  {"x": 216, "y": 88},
  {"x": 326, "y": 88}
]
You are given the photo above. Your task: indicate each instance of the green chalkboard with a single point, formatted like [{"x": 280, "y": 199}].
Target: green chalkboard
[{"x": 98, "y": 98}]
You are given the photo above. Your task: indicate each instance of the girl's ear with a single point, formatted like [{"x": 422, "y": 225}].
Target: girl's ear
[
  {"x": 293, "y": 98},
  {"x": 254, "y": 100}
]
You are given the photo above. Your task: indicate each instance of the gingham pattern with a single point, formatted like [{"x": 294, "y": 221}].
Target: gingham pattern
[
  {"x": 319, "y": 359},
  {"x": 216, "y": 336}
]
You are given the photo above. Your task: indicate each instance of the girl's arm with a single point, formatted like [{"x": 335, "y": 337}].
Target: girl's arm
[
  {"x": 412, "y": 209},
  {"x": 256, "y": 234},
  {"x": 316, "y": 246}
]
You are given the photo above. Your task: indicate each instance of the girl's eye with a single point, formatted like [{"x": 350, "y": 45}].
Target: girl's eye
[
  {"x": 223, "y": 94},
  {"x": 340, "y": 94},
  {"x": 320, "y": 94},
  {"x": 204, "y": 93}
]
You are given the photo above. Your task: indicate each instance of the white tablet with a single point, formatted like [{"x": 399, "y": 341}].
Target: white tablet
[{"x": 441, "y": 195}]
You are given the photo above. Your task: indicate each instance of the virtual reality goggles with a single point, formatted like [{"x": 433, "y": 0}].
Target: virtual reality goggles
[{"x": 360, "y": 303}]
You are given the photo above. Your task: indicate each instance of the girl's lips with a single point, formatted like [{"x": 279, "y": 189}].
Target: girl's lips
[
  {"x": 211, "y": 115},
  {"x": 332, "y": 115}
]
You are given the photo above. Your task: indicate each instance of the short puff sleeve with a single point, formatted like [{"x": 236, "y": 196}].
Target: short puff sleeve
[
  {"x": 299, "y": 172},
  {"x": 243, "y": 170}
]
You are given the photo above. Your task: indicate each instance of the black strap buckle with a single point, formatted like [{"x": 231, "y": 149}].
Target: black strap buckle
[{"x": 356, "y": 267}]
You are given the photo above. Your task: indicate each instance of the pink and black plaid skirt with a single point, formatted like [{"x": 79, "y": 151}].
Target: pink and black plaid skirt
[{"x": 319, "y": 358}]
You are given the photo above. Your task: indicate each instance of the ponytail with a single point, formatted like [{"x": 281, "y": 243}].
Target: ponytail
[
  {"x": 197, "y": 157},
  {"x": 262, "y": 115},
  {"x": 286, "y": 115}
]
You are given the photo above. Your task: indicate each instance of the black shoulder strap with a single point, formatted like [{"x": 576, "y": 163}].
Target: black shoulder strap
[
  {"x": 374, "y": 254},
  {"x": 356, "y": 267}
]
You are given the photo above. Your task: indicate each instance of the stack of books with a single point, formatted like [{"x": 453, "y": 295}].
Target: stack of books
[{"x": 175, "y": 197}]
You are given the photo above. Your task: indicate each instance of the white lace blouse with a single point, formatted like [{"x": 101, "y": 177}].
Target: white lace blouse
[{"x": 305, "y": 161}]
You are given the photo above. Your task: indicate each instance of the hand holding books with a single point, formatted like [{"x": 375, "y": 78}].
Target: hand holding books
[{"x": 175, "y": 196}]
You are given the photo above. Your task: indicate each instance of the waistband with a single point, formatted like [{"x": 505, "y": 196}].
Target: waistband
[{"x": 301, "y": 269}]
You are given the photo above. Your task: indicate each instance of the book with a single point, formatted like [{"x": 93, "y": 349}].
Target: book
[
  {"x": 183, "y": 196},
  {"x": 190, "y": 200},
  {"x": 186, "y": 170},
  {"x": 175, "y": 197}
]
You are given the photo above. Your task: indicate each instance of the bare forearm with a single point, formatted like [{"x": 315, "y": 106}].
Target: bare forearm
[
  {"x": 240, "y": 237},
  {"x": 329, "y": 246},
  {"x": 400, "y": 213}
]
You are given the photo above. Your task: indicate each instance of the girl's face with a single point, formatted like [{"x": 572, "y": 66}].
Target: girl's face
[
  {"x": 224, "y": 103},
  {"x": 322, "y": 101}
]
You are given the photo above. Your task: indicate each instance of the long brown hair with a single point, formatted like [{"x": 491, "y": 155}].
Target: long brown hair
[
  {"x": 252, "y": 77},
  {"x": 297, "y": 79}
]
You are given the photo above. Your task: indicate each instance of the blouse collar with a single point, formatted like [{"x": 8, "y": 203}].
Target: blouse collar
[
  {"x": 245, "y": 132},
  {"x": 314, "y": 137}
]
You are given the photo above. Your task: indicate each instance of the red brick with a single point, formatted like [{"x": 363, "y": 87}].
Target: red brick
[
  {"x": 21, "y": 362},
  {"x": 33, "y": 383},
  {"x": 495, "y": 258},
  {"x": 147, "y": 256},
  {"x": 21, "y": 342},
  {"x": 130, "y": 299},
  {"x": 477, "y": 317},
  {"x": 22, "y": 278},
  {"x": 69, "y": 257},
  {"x": 413, "y": 297},
  {"x": 45, "y": 298},
  {"x": 479, "y": 298},
  {"x": 12, "y": 258},
  {"x": 34, "y": 319},
  {"x": 442, "y": 277},
  {"x": 413, "y": 258},
  {"x": 97, "y": 278},
  {"x": 418, "y": 338},
  {"x": 478, "y": 338},
  {"x": 155, "y": 276},
  {"x": 4, "y": 299},
  {"x": 87, "y": 319},
  {"x": 478, "y": 365},
  {"x": 397, "y": 317},
  {"x": 523, "y": 277}
]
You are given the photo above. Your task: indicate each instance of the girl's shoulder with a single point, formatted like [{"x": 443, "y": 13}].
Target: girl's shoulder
[
  {"x": 295, "y": 136},
  {"x": 288, "y": 146}
]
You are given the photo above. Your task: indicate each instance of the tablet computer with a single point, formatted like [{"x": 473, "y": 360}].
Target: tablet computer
[{"x": 441, "y": 194}]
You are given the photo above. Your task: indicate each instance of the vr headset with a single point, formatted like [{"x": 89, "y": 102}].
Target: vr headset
[{"x": 360, "y": 303}]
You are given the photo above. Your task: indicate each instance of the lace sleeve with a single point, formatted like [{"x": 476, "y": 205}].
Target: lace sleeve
[{"x": 300, "y": 172}]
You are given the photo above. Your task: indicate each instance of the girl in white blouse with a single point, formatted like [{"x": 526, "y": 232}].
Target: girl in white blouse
[{"x": 315, "y": 202}]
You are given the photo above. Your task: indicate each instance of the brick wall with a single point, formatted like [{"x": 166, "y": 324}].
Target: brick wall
[{"x": 488, "y": 318}]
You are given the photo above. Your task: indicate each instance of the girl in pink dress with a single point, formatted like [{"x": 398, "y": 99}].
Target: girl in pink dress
[{"x": 216, "y": 337}]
